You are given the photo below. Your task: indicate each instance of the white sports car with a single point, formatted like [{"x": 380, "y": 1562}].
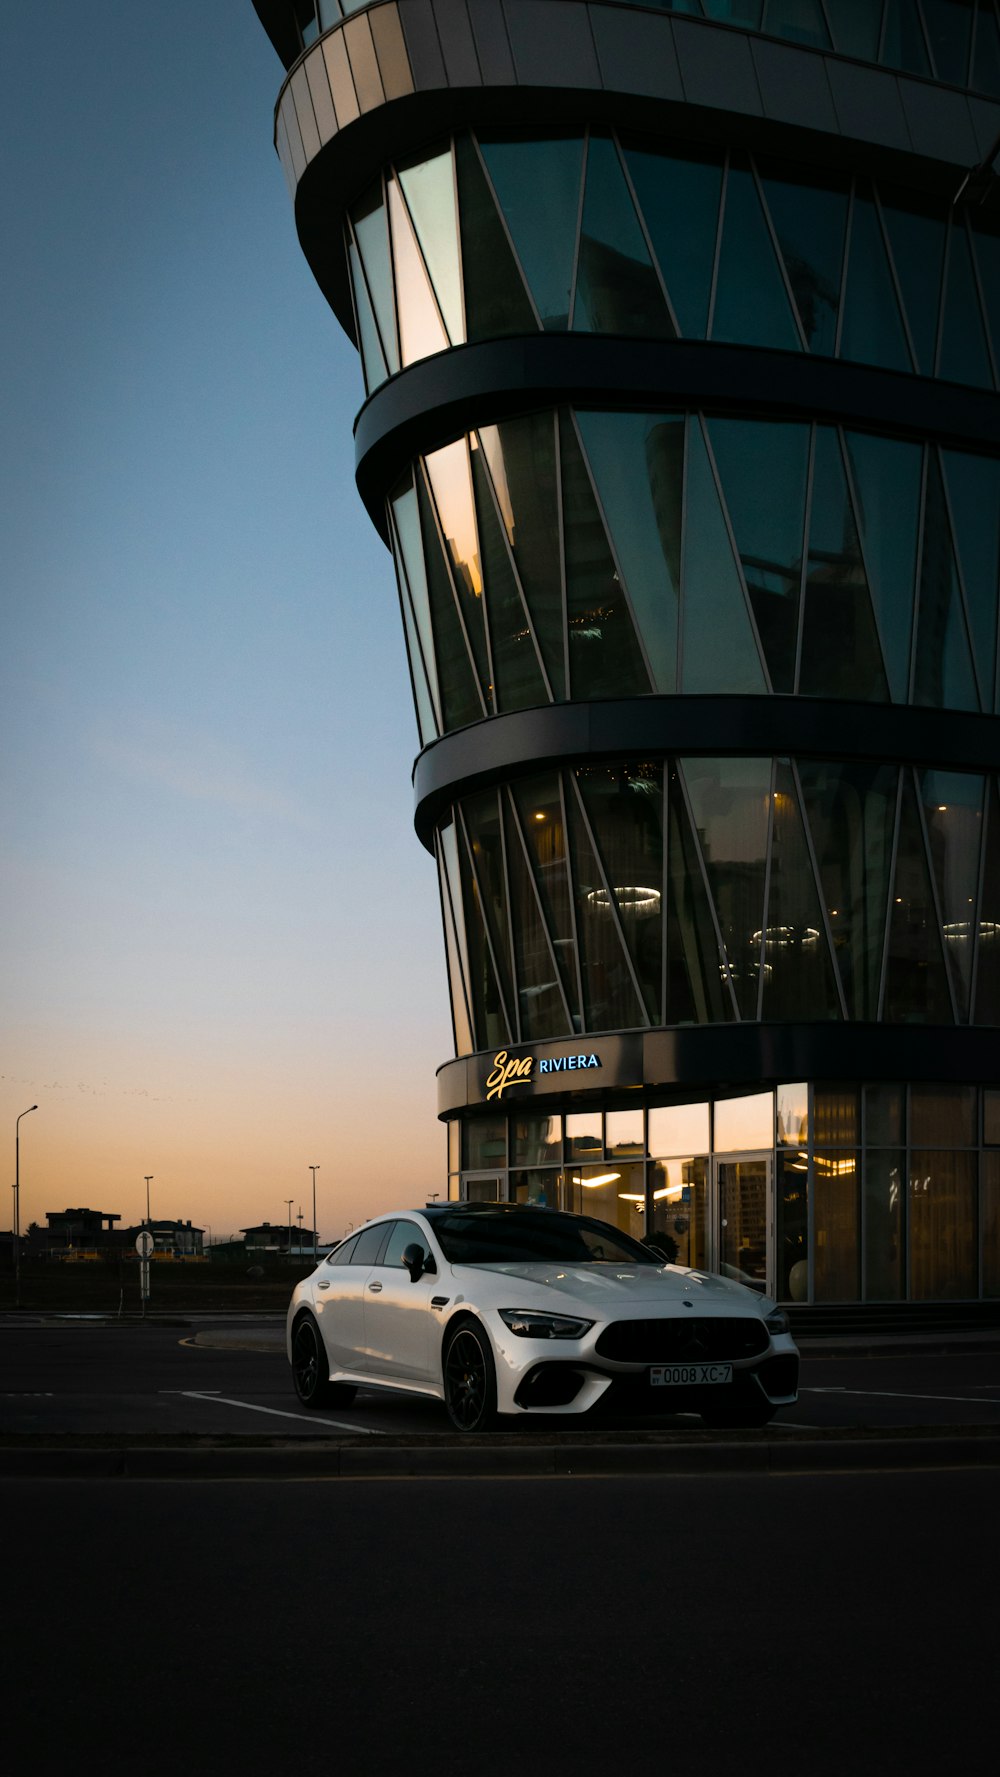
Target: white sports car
[{"x": 501, "y": 1308}]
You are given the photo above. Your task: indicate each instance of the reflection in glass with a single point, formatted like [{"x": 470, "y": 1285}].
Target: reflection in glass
[
  {"x": 421, "y": 331},
  {"x": 521, "y": 454},
  {"x": 792, "y": 1115},
  {"x": 836, "y": 1178},
  {"x": 518, "y": 678},
  {"x": 949, "y": 26},
  {"x": 482, "y": 821},
  {"x": 885, "y": 1253},
  {"x": 637, "y": 461},
  {"x": 543, "y": 1187},
  {"x": 461, "y": 701},
  {"x": 451, "y": 484},
  {"x": 791, "y": 1203},
  {"x": 617, "y": 290},
  {"x": 535, "y": 1140},
  {"x": 953, "y": 811},
  {"x": 986, "y": 59},
  {"x": 538, "y": 185},
  {"x": 678, "y": 1129},
  {"x": 372, "y": 359},
  {"x": 798, "y": 971},
  {"x": 762, "y": 467},
  {"x": 964, "y": 357},
  {"x": 584, "y": 1135},
  {"x": 407, "y": 522},
  {"x": 855, "y": 25},
  {"x": 942, "y": 1116},
  {"x": 624, "y": 1137},
  {"x": 871, "y": 325},
  {"x": 885, "y": 1121},
  {"x": 840, "y": 648},
  {"x": 835, "y": 1109},
  {"x": 916, "y": 986},
  {"x": 942, "y": 1219},
  {"x": 989, "y": 1186},
  {"x": 539, "y": 805},
  {"x": 494, "y": 1025},
  {"x": 698, "y": 983},
  {"x": 680, "y": 1210},
  {"x": 851, "y": 810},
  {"x": 718, "y": 650},
  {"x": 886, "y": 474},
  {"x": 730, "y": 800},
  {"x": 464, "y": 1041},
  {"x": 751, "y": 302},
  {"x": 917, "y": 242},
  {"x": 373, "y": 244},
  {"x": 610, "y": 998},
  {"x": 744, "y": 1122},
  {"x": 679, "y": 197},
  {"x": 903, "y": 43},
  {"x": 496, "y": 301},
  {"x": 743, "y": 1214},
  {"x": 484, "y": 1142},
  {"x": 429, "y": 190},
  {"x": 605, "y": 658},
  {"x": 973, "y": 491},
  {"x": 942, "y": 673},
  {"x": 542, "y": 1009},
  {"x": 625, "y": 806},
  {"x": 809, "y": 212},
  {"x": 421, "y": 695},
  {"x": 611, "y": 1193}
]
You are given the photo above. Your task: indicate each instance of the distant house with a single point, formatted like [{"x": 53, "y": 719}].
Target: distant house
[
  {"x": 77, "y": 1230},
  {"x": 177, "y": 1240},
  {"x": 272, "y": 1237}
]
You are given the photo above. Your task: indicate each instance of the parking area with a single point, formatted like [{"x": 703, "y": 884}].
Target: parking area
[{"x": 217, "y": 1377}]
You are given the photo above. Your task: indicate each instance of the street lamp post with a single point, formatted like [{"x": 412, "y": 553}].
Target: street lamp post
[
  {"x": 314, "y": 1170},
  {"x": 17, "y": 1204},
  {"x": 148, "y": 1176},
  {"x": 289, "y": 1201}
]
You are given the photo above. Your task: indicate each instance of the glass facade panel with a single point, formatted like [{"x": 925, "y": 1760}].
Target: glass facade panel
[
  {"x": 916, "y": 987},
  {"x": 836, "y": 1111},
  {"x": 798, "y": 971},
  {"x": 744, "y": 1123},
  {"x": 953, "y": 811},
  {"x": 943, "y": 1116},
  {"x": 986, "y": 1004},
  {"x": 625, "y": 808},
  {"x": 407, "y": 522},
  {"x": 949, "y": 28},
  {"x": 871, "y": 325},
  {"x": 496, "y": 301},
  {"x": 482, "y": 820},
  {"x": 612, "y": 1194},
  {"x": 885, "y": 1116},
  {"x": 372, "y": 359},
  {"x": 730, "y": 800},
  {"x": 542, "y": 1009},
  {"x": 535, "y": 1140},
  {"x": 637, "y": 461},
  {"x": 605, "y": 658},
  {"x": 624, "y": 1137},
  {"x": 903, "y": 44},
  {"x": 461, "y": 1017},
  {"x": 518, "y": 681},
  {"x": 460, "y": 700},
  {"x": 991, "y": 1118},
  {"x": 855, "y": 25},
  {"x": 809, "y": 213},
  {"x": 539, "y": 805},
  {"x": 841, "y": 656},
  {"x": 681, "y": 1129},
  {"x": 521, "y": 454},
  {"x": 943, "y": 673},
  {"x": 373, "y": 244},
  {"x": 543, "y": 1187},
  {"x": 916, "y": 237},
  {"x": 886, "y": 474},
  {"x": 986, "y": 55},
  {"x": 943, "y": 1226},
  {"x": 451, "y": 484},
  {"x": 421, "y": 330},
  {"x": 718, "y": 649},
  {"x": 429, "y": 190},
  {"x": 679, "y": 197},
  {"x": 609, "y": 994},
  {"x": 762, "y": 466},
  {"x": 584, "y": 1135},
  {"x": 538, "y": 185},
  {"x": 698, "y": 987},
  {"x": 972, "y": 485},
  {"x": 679, "y": 1191},
  {"x": 836, "y": 1182},
  {"x": 964, "y": 357},
  {"x": 989, "y": 1185},
  {"x": 792, "y": 1115},
  {"x": 884, "y": 1246},
  {"x": 792, "y": 1218},
  {"x": 484, "y": 1142},
  {"x": 491, "y": 1018},
  {"x": 851, "y": 810},
  {"x": 617, "y": 290},
  {"x": 743, "y": 1221},
  {"x": 751, "y": 303}
]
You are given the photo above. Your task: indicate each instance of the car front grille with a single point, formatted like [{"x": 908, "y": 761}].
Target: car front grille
[{"x": 673, "y": 1341}]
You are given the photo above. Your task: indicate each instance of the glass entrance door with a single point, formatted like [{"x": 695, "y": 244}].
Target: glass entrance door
[
  {"x": 743, "y": 1196},
  {"x": 481, "y": 1187}
]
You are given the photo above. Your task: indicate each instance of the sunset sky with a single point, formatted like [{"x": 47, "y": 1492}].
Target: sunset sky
[{"x": 221, "y": 950}]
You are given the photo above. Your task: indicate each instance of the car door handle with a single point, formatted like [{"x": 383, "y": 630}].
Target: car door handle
[
  {"x": 375, "y": 1287},
  {"x": 324, "y": 1284}
]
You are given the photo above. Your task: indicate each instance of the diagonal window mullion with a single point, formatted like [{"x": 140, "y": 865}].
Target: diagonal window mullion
[
  {"x": 804, "y": 572},
  {"x": 498, "y": 207},
  {"x": 432, "y": 287},
  {"x": 854, "y": 504},
  {"x": 766, "y": 908},
  {"x": 845, "y": 267},
  {"x": 453, "y": 948},
  {"x": 918, "y": 574},
  {"x": 894, "y": 275},
  {"x": 890, "y": 894},
  {"x": 514, "y": 973},
  {"x": 612, "y": 900},
  {"x": 818, "y": 883},
  {"x": 719, "y": 225},
  {"x": 502, "y": 524},
  {"x": 445, "y": 556},
  {"x": 984, "y": 313},
  {"x": 935, "y": 897},
  {"x": 985, "y": 702},
  {"x": 529, "y": 869},
  {"x": 989, "y": 794},
  {"x": 613, "y": 552},
  {"x": 581, "y": 197},
  {"x": 413, "y": 627},
  {"x": 571, "y": 881},
  {"x": 779, "y": 256},
  {"x": 650, "y": 249},
  {"x": 393, "y": 275},
  {"x": 707, "y": 890},
  {"x": 561, "y": 523},
  {"x": 470, "y": 854},
  {"x": 734, "y": 549}
]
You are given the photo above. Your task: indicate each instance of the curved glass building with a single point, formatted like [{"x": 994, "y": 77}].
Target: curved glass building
[{"x": 680, "y": 335}]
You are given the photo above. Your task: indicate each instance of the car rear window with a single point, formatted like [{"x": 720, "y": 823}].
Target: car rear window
[{"x": 512, "y": 1237}]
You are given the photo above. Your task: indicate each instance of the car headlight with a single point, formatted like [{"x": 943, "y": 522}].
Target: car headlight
[
  {"x": 777, "y": 1321},
  {"x": 532, "y": 1323}
]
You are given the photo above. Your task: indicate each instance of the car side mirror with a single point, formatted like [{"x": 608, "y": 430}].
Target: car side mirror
[{"x": 417, "y": 1261}]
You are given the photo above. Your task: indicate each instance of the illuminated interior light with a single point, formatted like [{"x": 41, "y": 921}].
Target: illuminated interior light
[
  {"x": 634, "y": 900},
  {"x": 603, "y": 1178}
]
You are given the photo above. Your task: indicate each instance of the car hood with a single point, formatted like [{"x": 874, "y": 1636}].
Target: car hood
[{"x": 611, "y": 1288}]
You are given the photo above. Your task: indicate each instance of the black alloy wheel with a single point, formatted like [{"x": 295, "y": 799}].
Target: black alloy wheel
[
  {"x": 470, "y": 1381},
  {"x": 309, "y": 1369}
]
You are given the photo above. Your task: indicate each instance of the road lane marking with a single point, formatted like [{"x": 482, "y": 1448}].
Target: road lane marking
[
  {"x": 275, "y": 1412},
  {"x": 888, "y": 1394}
]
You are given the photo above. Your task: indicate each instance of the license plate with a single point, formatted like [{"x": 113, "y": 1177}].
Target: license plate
[{"x": 690, "y": 1375}]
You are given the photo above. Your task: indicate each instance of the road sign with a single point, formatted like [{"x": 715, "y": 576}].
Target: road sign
[{"x": 144, "y": 1243}]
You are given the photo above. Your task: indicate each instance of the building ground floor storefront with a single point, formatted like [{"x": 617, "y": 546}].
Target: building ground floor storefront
[{"x": 814, "y": 1192}]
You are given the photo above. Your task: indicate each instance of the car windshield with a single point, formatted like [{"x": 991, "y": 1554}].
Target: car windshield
[{"x": 535, "y": 1236}]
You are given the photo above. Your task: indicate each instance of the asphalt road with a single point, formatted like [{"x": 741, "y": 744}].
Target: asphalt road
[
  {"x": 813, "y": 1624},
  {"x": 84, "y": 1378}
]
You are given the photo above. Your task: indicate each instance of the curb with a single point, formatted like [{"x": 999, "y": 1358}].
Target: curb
[{"x": 326, "y": 1461}]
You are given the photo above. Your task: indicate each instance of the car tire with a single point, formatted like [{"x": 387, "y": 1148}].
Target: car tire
[
  {"x": 309, "y": 1369},
  {"x": 470, "y": 1378}
]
